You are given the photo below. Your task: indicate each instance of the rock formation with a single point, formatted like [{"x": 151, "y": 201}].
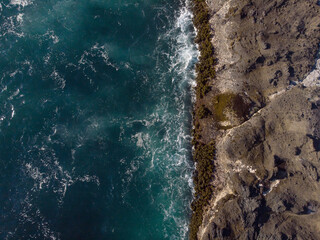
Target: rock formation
[{"x": 265, "y": 121}]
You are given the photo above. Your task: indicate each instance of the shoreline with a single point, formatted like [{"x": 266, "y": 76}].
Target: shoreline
[{"x": 203, "y": 154}]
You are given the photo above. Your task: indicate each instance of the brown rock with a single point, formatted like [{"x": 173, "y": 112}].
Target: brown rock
[{"x": 267, "y": 176}]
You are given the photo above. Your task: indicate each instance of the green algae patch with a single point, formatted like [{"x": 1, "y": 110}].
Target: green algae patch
[
  {"x": 230, "y": 104},
  {"x": 203, "y": 154},
  {"x": 205, "y": 66},
  {"x": 221, "y": 103}
]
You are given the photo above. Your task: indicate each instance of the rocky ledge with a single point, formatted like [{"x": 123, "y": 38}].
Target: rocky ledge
[{"x": 263, "y": 113}]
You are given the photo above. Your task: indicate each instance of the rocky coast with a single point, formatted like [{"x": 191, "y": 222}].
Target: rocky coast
[{"x": 257, "y": 121}]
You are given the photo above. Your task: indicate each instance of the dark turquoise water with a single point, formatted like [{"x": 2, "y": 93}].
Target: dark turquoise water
[{"x": 95, "y": 118}]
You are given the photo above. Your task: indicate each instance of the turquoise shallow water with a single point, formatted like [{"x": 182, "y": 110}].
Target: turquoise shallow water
[{"x": 95, "y": 118}]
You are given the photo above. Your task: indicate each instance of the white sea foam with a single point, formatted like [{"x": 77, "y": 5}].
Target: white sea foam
[
  {"x": 182, "y": 63},
  {"x": 20, "y": 18},
  {"x": 103, "y": 52},
  {"x": 14, "y": 73},
  {"x": 12, "y": 111},
  {"x": 60, "y": 81},
  {"x": 22, "y": 3},
  {"x": 46, "y": 58},
  {"x": 187, "y": 52},
  {"x": 11, "y": 26},
  {"x": 14, "y": 94},
  {"x": 170, "y": 155},
  {"x": 50, "y": 174},
  {"x": 29, "y": 65},
  {"x": 51, "y": 35},
  {"x": 88, "y": 178},
  {"x": 100, "y": 51}
]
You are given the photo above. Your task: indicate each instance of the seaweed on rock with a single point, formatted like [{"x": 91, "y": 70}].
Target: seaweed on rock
[
  {"x": 203, "y": 112},
  {"x": 203, "y": 156},
  {"x": 203, "y": 153},
  {"x": 204, "y": 68}
]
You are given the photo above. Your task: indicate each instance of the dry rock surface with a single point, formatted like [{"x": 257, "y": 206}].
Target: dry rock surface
[{"x": 267, "y": 179}]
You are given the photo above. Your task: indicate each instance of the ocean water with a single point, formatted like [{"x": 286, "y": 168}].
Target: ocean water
[{"x": 95, "y": 119}]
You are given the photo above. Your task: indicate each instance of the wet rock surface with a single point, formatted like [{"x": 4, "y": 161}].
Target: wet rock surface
[{"x": 267, "y": 166}]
